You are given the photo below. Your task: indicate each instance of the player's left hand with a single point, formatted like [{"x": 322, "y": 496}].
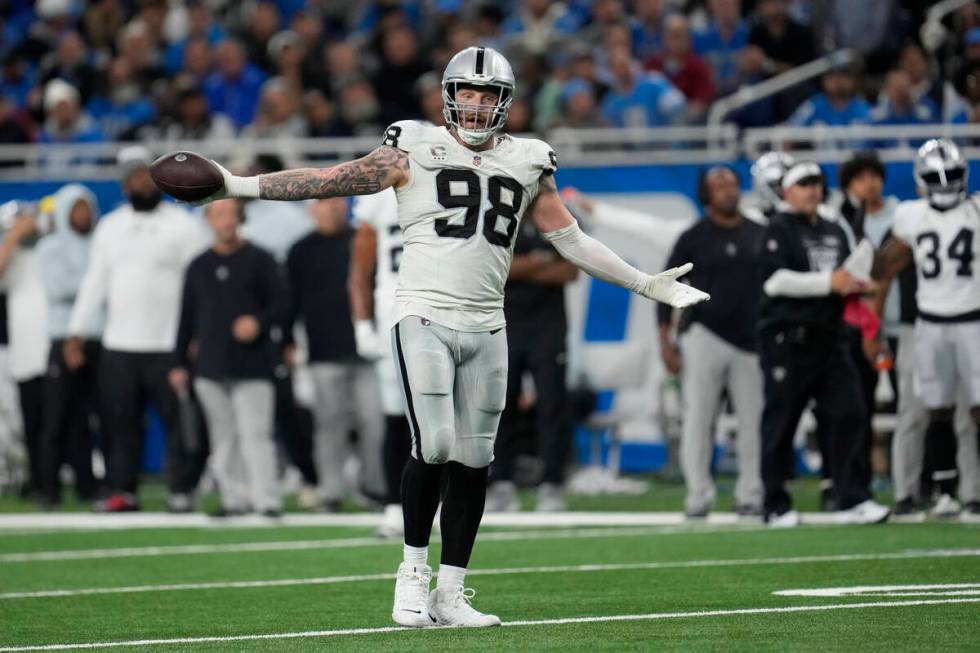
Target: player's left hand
[{"x": 665, "y": 288}]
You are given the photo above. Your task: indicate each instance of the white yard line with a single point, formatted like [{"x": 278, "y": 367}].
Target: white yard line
[
  {"x": 507, "y": 624},
  {"x": 345, "y": 543},
  {"x": 70, "y": 521},
  {"x": 629, "y": 566},
  {"x": 950, "y": 589}
]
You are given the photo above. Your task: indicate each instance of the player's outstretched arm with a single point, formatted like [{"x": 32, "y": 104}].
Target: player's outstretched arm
[
  {"x": 891, "y": 259},
  {"x": 558, "y": 226},
  {"x": 386, "y": 166}
]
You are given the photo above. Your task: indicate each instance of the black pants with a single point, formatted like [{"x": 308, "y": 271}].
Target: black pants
[
  {"x": 31, "y": 396},
  {"x": 801, "y": 364},
  {"x": 868, "y": 378},
  {"x": 536, "y": 344},
  {"x": 71, "y": 409},
  {"x": 127, "y": 382},
  {"x": 294, "y": 427}
]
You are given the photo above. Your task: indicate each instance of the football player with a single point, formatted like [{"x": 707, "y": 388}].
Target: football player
[
  {"x": 941, "y": 233},
  {"x": 373, "y": 277},
  {"x": 767, "y": 190},
  {"x": 461, "y": 190}
]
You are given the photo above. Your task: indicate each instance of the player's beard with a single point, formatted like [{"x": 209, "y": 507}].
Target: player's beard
[{"x": 145, "y": 202}]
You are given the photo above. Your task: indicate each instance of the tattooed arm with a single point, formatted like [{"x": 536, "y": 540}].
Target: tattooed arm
[
  {"x": 891, "y": 259},
  {"x": 383, "y": 168}
]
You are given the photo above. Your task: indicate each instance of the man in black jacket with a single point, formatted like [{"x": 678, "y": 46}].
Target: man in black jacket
[
  {"x": 347, "y": 393},
  {"x": 718, "y": 348},
  {"x": 233, "y": 296},
  {"x": 804, "y": 350}
]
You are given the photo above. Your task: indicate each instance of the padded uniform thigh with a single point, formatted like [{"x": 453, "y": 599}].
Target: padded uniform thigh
[{"x": 426, "y": 372}]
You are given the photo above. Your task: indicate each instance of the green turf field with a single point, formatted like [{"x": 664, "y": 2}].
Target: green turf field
[{"x": 634, "y": 588}]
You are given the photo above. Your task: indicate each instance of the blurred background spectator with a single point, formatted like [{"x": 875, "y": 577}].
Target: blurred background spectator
[
  {"x": 685, "y": 69},
  {"x": 347, "y": 394},
  {"x": 71, "y": 396},
  {"x": 234, "y": 299},
  {"x": 138, "y": 256},
  {"x": 351, "y": 68}
]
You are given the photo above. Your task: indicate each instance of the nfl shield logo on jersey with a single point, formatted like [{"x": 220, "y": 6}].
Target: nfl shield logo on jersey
[{"x": 477, "y": 159}]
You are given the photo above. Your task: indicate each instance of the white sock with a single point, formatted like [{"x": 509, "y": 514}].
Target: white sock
[
  {"x": 416, "y": 556},
  {"x": 451, "y": 578}
]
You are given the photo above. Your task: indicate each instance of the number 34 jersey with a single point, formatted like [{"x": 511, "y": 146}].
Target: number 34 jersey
[
  {"x": 945, "y": 244},
  {"x": 459, "y": 214}
]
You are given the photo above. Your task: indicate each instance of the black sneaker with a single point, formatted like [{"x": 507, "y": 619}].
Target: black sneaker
[
  {"x": 907, "y": 510},
  {"x": 828, "y": 500},
  {"x": 272, "y": 513}
]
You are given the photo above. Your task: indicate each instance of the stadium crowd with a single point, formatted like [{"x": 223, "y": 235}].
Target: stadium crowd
[
  {"x": 73, "y": 72},
  {"x": 128, "y": 309}
]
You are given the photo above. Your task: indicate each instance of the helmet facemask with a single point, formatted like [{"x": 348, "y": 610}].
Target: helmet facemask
[
  {"x": 476, "y": 123},
  {"x": 941, "y": 174},
  {"x": 767, "y": 178}
]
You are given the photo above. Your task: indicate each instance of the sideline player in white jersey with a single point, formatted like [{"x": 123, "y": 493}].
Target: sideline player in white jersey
[
  {"x": 941, "y": 233},
  {"x": 373, "y": 278},
  {"x": 461, "y": 191}
]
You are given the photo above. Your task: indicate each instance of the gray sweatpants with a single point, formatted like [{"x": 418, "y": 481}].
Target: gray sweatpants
[
  {"x": 240, "y": 415},
  {"x": 455, "y": 385},
  {"x": 347, "y": 398},
  {"x": 710, "y": 365},
  {"x": 909, "y": 439}
]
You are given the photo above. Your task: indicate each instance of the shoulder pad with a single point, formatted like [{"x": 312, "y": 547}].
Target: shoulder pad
[
  {"x": 406, "y": 135},
  {"x": 541, "y": 157}
]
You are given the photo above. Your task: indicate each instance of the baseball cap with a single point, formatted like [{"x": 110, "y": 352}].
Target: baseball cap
[{"x": 801, "y": 172}]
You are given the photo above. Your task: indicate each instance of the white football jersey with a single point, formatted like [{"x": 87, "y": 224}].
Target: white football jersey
[
  {"x": 946, "y": 244},
  {"x": 459, "y": 214},
  {"x": 380, "y": 212}
]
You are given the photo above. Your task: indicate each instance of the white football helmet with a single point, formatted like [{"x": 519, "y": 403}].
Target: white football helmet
[
  {"x": 477, "y": 67},
  {"x": 767, "y": 178},
  {"x": 941, "y": 173}
]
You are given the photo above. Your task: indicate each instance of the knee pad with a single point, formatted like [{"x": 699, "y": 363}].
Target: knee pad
[
  {"x": 474, "y": 451},
  {"x": 437, "y": 448}
]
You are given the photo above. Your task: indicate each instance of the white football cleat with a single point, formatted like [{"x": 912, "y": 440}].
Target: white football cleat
[
  {"x": 412, "y": 596},
  {"x": 392, "y": 523},
  {"x": 789, "y": 519},
  {"x": 866, "y": 512},
  {"x": 946, "y": 507},
  {"x": 448, "y": 608}
]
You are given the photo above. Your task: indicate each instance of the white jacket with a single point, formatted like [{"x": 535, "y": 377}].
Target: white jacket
[{"x": 136, "y": 268}]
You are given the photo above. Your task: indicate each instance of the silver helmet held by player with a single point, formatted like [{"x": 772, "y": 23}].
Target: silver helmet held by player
[
  {"x": 480, "y": 67},
  {"x": 941, "y": 173},
  {"x": 767, "y": 177}
]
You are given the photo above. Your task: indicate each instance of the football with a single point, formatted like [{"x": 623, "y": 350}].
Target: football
[{"x": 186, "y": 176}]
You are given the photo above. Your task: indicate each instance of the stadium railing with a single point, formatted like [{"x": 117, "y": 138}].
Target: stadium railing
[{"x": 575, "y": 147}]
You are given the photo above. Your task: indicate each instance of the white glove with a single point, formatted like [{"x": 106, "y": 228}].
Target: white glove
[
  {"x": 665, "y": 288},
  {"x": 368, "y": 340},
  {"x": 235, "y": 186}
]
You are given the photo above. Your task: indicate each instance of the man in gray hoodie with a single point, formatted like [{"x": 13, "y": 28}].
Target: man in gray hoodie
[{"x": 70, "y": 397}]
